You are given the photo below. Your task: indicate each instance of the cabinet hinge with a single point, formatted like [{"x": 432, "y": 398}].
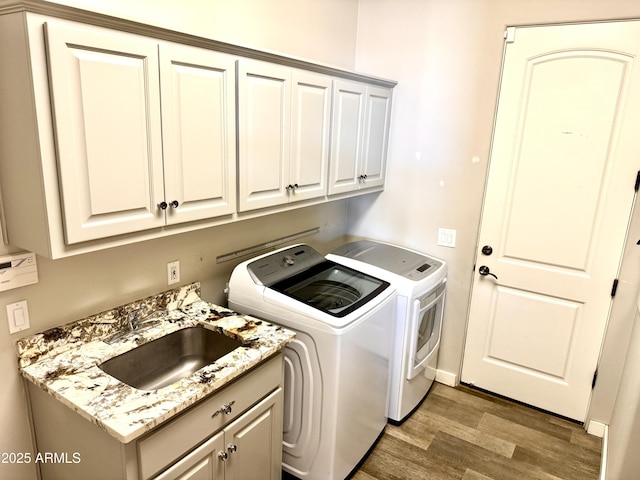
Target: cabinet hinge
[
  {"x": 510, "y": 34},
  {"x": 637, "y": 186},
  {"x": 614, "y": 288},
  {"x": 595, "y": 378}
]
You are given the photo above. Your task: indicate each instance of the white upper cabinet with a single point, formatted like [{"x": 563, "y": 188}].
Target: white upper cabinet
[
  {"x": 284, "y": 118},
  {"x": 264, "y": 134},
  {"x": 310, "y": 135},
  {"x": 114, "y": 132},
  {"x": 106, "y": 106},
  {"x": 197, "y": 88},
  {"x": 360, "y": 134},
  {"x": 107, "y": 89}
]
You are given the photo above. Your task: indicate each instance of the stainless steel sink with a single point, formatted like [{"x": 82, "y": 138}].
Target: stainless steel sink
[{"x": 170, "y": 358}]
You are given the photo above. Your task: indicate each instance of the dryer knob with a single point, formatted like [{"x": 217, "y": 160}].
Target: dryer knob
[{"x": 289, "y": 260}]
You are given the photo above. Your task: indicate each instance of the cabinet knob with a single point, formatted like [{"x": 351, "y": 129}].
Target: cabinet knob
[
  {"x": 163, "y": 205},
  {"x": 223, "y": 456},
  {"x": 232, "y": 448},
  {"x": 174, "y": 204}
]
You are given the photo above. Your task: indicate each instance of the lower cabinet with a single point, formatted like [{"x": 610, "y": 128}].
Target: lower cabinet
[
  {"x": 249, "y": 448},
  {"x": 233, "y": 434}
]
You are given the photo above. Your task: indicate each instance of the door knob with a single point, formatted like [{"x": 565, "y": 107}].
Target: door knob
[
  {"x": 484, "y": 271},
  {"x": 487, "y": 250}
]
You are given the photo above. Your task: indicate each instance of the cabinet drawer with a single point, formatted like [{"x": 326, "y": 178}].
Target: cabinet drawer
[{"x": 173, "y": 440}]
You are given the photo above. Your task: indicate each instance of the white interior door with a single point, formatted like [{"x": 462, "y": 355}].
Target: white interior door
[{"x": 556, "y": 210}]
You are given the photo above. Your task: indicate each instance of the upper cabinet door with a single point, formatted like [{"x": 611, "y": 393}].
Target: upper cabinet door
[
  {"x": 107, "y": 122},
  {"x": 310, "y": 123},
  {"x": 346, "y": 144},
  {"x": 199, "y": 132},
  {"x": 264, "y": 133},
  {"x": 376, "y": 136},
  {"x": 361, "y": 117}
]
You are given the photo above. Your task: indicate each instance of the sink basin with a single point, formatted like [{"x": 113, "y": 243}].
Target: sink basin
[{"x": 170, "y": 358}]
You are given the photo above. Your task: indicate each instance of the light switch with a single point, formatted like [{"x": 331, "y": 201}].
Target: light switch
[
  {"x": 446, "y": 237},
  {"x": 18, "y": 316}
]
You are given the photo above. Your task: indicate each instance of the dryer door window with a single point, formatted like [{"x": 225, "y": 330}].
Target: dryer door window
[{"x": 426, "y": 326}]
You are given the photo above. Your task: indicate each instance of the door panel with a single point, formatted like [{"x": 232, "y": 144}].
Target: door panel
[
  {"x": 346, "y": 145},
  {"x": 198, "y": 119},
  {"x": 264, "y": 134},
  {"x": 311, "y": 110},
  {"x": 556, "y": 211},
  {"x": 376, "y": 136},
  {"x": 105, "y": 93},
  {"x": 577, "y": 123},
  {"x": 525, "y": 323}
]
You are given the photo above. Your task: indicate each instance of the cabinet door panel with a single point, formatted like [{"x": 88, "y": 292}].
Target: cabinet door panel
[
  {"x": 376, "y": 136},
  {"x": 107, "y": 122},
  {"x": 264, "y": 121},
  {"x": 202, "y": 464},
  {"x": 311, "y": 110},
  {"x": 348, "y": 117},
  {"x": 256, "y": 440},
  {"x": 198, "y": 128}
]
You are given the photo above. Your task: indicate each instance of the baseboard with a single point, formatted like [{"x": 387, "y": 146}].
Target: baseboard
[
  {"x": 605, "y": 449},
  {"x": 447, "y": 378},
  {"x": 596, "y": 428}
]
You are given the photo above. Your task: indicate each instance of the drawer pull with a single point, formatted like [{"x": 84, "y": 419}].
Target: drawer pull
[{"x": 226, "y": 409}]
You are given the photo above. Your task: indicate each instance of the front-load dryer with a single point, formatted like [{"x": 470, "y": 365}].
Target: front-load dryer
[
  {"x": 420, "y": 281},
  {"x": 337, "y": 370}
]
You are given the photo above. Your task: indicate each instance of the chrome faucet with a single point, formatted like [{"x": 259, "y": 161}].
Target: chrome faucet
[{"x": 132, "y": 320}]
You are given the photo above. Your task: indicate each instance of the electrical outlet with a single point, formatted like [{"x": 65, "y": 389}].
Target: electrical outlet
[{"x": 173, "y": 272}]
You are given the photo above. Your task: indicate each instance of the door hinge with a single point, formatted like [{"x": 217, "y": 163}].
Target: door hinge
[
  {"x": 614, "y": 288},
  {"x": 637, "y": 186},
  {"x": 595, "y": 378},
  {"x": 510, "y": 34}
]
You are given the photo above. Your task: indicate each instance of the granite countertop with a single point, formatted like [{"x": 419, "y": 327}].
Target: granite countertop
[{"x": 64, "y": 360}]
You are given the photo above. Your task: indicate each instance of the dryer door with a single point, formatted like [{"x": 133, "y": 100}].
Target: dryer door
[{"x": 426, "y": 325}]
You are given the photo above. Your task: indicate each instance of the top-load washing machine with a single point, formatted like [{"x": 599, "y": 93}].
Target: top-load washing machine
[
  {"x": 421, "y": 284},
  {"x": 337, "y": 370}
]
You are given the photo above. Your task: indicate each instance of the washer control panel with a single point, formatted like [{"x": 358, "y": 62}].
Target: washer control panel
[{"x": 282, "y": 264}]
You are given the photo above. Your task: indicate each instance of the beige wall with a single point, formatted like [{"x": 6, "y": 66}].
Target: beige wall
[
  {"x": 320, "y": 30},
  {"x": 446, "y": 56},
  {"x": 72, "y": 288}
]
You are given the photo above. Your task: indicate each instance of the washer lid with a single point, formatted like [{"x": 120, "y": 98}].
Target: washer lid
[{"x": 400, "y": 261}]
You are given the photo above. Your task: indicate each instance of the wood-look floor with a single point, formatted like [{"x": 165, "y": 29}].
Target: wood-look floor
[{"x": 462, "y": 433}]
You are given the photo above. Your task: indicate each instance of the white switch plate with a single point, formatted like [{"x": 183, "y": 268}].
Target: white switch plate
[
  {"x": 18, "y": 316},
  {"x": 446, "y": 237}
]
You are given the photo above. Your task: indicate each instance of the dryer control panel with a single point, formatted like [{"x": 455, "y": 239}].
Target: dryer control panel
[{"x": 272, "y": 268}]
